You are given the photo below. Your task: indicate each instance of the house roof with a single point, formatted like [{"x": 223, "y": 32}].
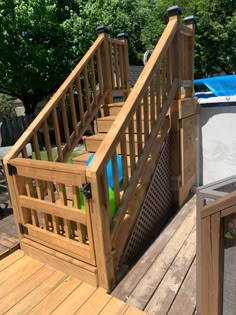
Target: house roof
[{"x": 135, "y": 72}]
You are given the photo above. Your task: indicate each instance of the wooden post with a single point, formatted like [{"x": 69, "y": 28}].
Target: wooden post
[
  {"x": 106, "y": 66},
  {"x": 124, "y": 37},
  {"x": 174, "y": 12},
  {"x": 100, "y": 219},
  {"x": 190, "y": 22}
]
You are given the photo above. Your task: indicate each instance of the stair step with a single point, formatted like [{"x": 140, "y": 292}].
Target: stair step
[
  {"x": 81, "y": 159},
  {"x": 104, "y": 124},
  {"x": 92, "y": 143},
  {"x": 114, "y": 108}
]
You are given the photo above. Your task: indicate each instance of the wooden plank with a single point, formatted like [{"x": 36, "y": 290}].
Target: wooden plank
[
  {"x": 132, "y": 147},
  {"x": 78, "y": 297},
  {"x": 100, "y": 75},
  {"x": 57, "y": 134},
  {"x": 167, "y": 290},
  {"x": 24, "y": 288},
  {"x": 54, "y": 209},
  {"x": 114, "y": 307},
  {"x": 133, "y": 311},
  {"x": 95, "y": 304},
  {"x": 115, "y": 180},
  {"x": 93, "y": 79},
  {"x": 148, "y": 284},
  {"x": 59, "y": 241},
  {"x": 14, "y": 268},
  {"x": 75, "y": 267},
  {"x": 46, "y": 175},
  {"x": 73, "y": 111},
  {"x": 86, "y": 87},
  {"x": 56, "y": 297},
  {"x": 185, "y": 302},
  {"x": 11, "y": 259},
  {"x": 65, "y": 121},
  {"x": 146, "y": 117},
  {"x": 47, "y": 140},
  {"x": 205, "y": 266},
  {"x": 152, "y": 102},
  {"x": 80, "y": 101},
  {"x": 123, "y": 151},
  {"x": 188, "y": 134},
  {"x": 26, "y": 304},
  {"x": 20, "y": 277}
]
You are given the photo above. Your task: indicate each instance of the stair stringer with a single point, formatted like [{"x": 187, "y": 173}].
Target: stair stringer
[
  {"x": 130, "y": 223},
  {"x": 155, "y": 210}
]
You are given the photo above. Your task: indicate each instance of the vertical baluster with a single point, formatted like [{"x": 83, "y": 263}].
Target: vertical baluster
[
  {"x": 168, "y": 69},
  {"x": 158, "y": 92},
  {"x": 121, "y": 63},
  {"x": 132, "y": 146},
  {"x": 163, "y": 79},
  {"x": 57, "y": 134},
  {"x": 30, "y": 193},
  {"x": 112, "y": 64},
  {"x": 73, "y": 111},
  {"x": 139, "y": 130},
  {"x": 80, "y": 101},
  {"x": 100, "y": 76},
  {"x": 63, "y": 198},
  {"x": 24, "y": 152},
  {"x": 81, "y": 229},
  {"x": 105, "y": 195},
  {"x": 65, "y": 122},
  {"x": 115, "y": 178},
  {"x": 146, "y": 116},
  {"x": 51, "y": 198},
  {"x": 93, "y": 82},
  {"x": 123, "y": 150},
  {"x": 47, "y": 140},
  {"x": 40, "y": 195},
  {"x": 116, "y": 67},
  {"x": 36, "y": 146},
  {"x": 152, "y": 102},
  {"x": 86, "y": 87}
]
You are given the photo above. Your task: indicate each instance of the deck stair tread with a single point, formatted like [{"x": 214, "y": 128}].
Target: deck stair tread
[
  {"x": 49, "y": 291},
  {"x": 163, "y": 280}
]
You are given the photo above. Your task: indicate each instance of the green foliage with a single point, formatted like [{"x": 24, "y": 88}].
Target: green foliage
[
  {"x": 215, "y": 48},
  {"x": 6, "y": 107},
  {"x": 42, "y": 40}
]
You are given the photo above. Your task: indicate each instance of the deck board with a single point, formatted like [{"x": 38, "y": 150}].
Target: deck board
[
  {"x": 31, "y": 287},
  {"x": 158, "y": 281}
]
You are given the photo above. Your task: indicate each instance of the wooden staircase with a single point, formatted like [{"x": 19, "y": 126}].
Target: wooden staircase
[{"x": 53, "y": 225}]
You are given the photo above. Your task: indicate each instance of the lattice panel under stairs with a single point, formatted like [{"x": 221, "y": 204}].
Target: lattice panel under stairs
[{"x": 155, "y": 211}]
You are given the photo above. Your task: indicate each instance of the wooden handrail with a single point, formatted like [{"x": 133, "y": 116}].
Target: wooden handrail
[
  {"x": 121, "y": 123},
  {"x": 36, "y": 124}
]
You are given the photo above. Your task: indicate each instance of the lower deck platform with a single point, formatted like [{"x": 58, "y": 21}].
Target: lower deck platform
[
  {"x": 28, "y": 286},
  {"x": 163, "y": 281}
]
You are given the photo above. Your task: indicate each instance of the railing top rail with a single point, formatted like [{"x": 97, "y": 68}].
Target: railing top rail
[
  {"x": 49, "y": 166},
  {"x": 35, "y": 125},
  {"x": 127, "y": 111},
  {"x": 219, "y": 205}
]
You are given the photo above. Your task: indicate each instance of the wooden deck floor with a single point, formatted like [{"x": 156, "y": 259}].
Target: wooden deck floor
[
  {"x": 28, "y": 286},
  {"x": 164, "y": 279}
]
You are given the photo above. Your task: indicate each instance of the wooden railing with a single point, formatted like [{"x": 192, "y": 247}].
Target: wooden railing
[
  {"x": 78, "y": 100},
  {"x": 141, "y": 122}
]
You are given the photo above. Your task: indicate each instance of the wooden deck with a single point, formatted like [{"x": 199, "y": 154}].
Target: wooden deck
[
  {"x": 9, "y": 241},
  {"x": 164, "y": 280},
  {"x": 28, "y": 286}
]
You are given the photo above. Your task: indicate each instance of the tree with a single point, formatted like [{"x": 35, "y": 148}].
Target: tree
[
  {"x": 215, "y": 48},
  {"x": 42, "y": 40}
]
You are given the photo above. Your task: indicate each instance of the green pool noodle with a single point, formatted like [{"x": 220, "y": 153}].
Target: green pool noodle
[{"x": 111, "y": 199}]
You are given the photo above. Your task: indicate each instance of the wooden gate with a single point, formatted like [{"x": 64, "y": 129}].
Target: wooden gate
[
  {"x": 218, "y": 257},
  {"x": 52, "y": 209}
]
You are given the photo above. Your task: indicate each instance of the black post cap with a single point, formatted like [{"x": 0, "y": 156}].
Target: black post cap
[
  {"x": 189, "y": 20},
  {"x": 174, "y": 10},
  {"x": 102, "y": 29},
  {"x": 123, "y": 36}
]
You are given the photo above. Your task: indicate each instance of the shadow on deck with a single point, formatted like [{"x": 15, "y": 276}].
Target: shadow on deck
[{"x": 163, "y": 281}]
